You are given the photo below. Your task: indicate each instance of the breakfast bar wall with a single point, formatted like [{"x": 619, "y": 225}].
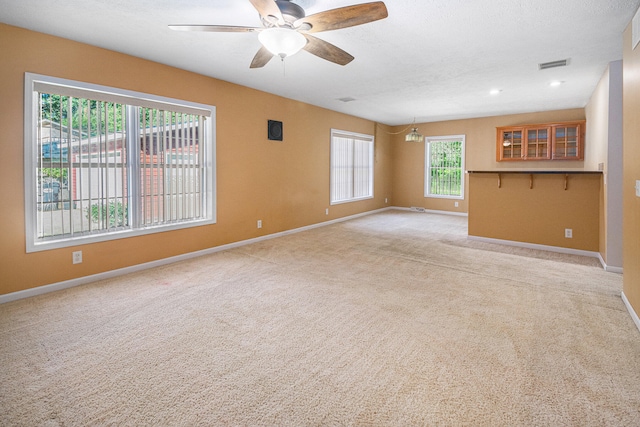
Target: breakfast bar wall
[{"x": 535, "y": 207}]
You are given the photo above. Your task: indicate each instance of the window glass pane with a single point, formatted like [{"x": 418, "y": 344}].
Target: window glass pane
[
  {"x": 81, "y": 173},
  {"x": 170, "y": 166},
  {"x": 444, "y": 168},
  {"x": 97, "y": 169},
  {"x": 351, "y": 166}
]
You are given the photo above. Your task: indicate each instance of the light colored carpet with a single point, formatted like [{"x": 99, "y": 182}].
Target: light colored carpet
[{"x": 386, "y": 320}]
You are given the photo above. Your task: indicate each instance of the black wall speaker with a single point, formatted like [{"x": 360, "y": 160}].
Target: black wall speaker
[{"x": 275, "y": 130}]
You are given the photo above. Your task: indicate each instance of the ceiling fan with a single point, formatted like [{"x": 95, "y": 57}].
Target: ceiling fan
[{"x": 286, "y": 29}]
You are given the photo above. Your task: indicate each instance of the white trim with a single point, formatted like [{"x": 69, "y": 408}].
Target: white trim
[
  {"x": 609, "y": 268},
  {"x": 139, "y": 267},
  {"x": 536, "y": 246},
  {"x": 353, "y": 136},
  {"x": 357, "y": 199},
  {"x": 427, "y": 165},
  {"x": 34, "y": 82},
  {"x": 432, "y": 211},
  {"x": 632, "y": 312},
  {"x": 558, "y": 249},
  {"x": 41, "y": 83}
]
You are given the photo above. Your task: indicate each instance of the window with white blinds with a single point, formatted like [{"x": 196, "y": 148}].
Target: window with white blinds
[
  {"x": 444, "y": 167},
  {"x": 352, "y": 159},
  {"x": 103, "y": 163}
]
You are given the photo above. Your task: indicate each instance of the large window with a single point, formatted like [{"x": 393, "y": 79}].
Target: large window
[
  {"x": 444, "y": 167},
  {"x": 103, "y": 163},
  {"x": 351, "y": 166}
]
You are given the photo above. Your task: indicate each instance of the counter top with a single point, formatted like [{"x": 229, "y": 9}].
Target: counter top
[{"x": 531, "y": 172}]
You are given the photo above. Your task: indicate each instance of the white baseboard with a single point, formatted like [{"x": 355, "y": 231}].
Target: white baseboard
[
  {"x": 609, "y": 268},
  {"x": 632, "y": 312},
  {"x": 557, "y": 249},
  {"x": 431, "y": 211},
  {"x": 139, "y": 267}
]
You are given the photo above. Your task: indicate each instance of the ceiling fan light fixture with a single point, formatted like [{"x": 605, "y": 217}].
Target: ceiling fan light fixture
[
  {"x": 413, "y": 136},
  {"x": 282, "y": 41}
]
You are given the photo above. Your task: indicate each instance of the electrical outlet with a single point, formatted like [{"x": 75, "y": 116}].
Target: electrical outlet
[
  {"x": 259, "y": 223},
  {"x": 637, "y": 188},
  {"x": 326, "y": 211},
  {"x": 77, "y": 257},
  {"x": 455, "y": 204},
  {"x": 385, "y": 200},
  {"x": 568, "y": 233}
]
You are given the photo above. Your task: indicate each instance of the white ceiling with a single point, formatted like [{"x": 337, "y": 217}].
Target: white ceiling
[{"x": 433, "y": 60}]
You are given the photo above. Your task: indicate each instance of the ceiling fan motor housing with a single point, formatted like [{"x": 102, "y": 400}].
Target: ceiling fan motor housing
[{"x": 291, "y": 12}]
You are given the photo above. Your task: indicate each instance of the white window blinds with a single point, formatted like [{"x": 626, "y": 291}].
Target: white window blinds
[
  {"x": 352, "y": 159},
  {"x": 98, "y": 168}
]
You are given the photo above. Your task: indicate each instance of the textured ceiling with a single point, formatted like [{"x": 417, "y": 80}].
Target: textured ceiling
[{"x": 432, "y": 60}]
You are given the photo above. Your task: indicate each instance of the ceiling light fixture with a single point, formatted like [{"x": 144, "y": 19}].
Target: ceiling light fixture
[
  {"x": 555, "y": 83},
  {"x": 495, "y": 91},
  {"x": 282, "y": 41},
  {"x": 413, "y": 136}
]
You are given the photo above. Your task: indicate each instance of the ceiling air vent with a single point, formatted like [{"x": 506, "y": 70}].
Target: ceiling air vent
[{"x": 553, "y": 64}]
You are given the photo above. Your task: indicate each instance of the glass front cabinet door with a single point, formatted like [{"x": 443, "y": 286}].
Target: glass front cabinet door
[
  {"x": 553, "y": 141},
  {"x": 567, "y": 142},
  {"x": 510, "y": 144},
  {"x": 539, "y": 143}
]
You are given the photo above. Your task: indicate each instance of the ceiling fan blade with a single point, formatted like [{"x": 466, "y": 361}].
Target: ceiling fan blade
[
  {"x": 268, "y": 8},
  {"x": 214, "y": 28},
  {"x": 262, "y": 58},
  {"x": 326, "y": 50},
  {"x": 343, "y": 17}
]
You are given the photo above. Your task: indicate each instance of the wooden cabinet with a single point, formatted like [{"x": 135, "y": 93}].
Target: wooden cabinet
[
  {"x": 510, "y": 143},
  {"x": 553, "y": 141},
  {"x": 538, "y": 143},
  {"x": 568, "y": 142}
]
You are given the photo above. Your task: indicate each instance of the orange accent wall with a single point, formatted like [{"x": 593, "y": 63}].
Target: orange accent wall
[
  {"x": 631, "y": 171},
  {"x": 285, "y": 184}
]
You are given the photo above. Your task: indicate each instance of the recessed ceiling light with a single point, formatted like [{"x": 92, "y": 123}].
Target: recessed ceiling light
[
  {"x": 495, "y": 91},
  {"x": 555, "y": 83}
]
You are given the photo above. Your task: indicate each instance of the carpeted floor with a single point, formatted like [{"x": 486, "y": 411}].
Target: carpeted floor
[{"x": 386, "y": 320}]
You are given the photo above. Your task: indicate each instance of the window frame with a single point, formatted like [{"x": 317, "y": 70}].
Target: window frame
[
  {"x": 370, "y": 139},
  {"x": 427, "y": 165},
  {"x": 32, "y": 88}
]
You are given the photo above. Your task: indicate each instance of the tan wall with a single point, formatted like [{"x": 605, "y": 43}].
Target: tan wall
[
  {"x": 604, "y": 127},
  {"x": 480, "y": 139},
  {"x": 286, "y": 184},
  {"x": 597, "y": 112},
  {"x": 597, "y": 115},
  {"x": 511, "y": 210},
  {"x": 631, "y": 203}
]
